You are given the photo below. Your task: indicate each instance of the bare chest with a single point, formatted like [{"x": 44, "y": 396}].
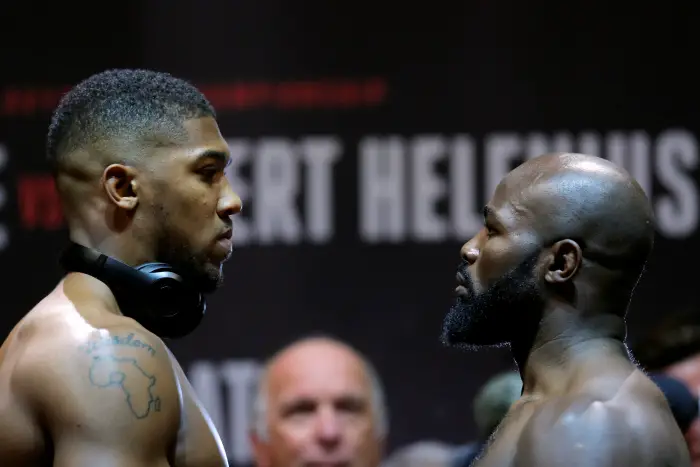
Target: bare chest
[{"x": 502, "y": 448}]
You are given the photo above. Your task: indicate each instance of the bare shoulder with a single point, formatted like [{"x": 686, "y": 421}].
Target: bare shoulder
[
  {"x": 125, "y": 357},
  {"x": 115, "y": 383},
  {"x": 583, "y": 431}
]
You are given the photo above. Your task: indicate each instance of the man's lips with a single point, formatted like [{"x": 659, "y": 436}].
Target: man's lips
[
  {"x": 461, "y": 290},
  {"x": 460, "y": 279},
  {"x": 224, "y": 243},
  {"x": 226, "y": 235}
]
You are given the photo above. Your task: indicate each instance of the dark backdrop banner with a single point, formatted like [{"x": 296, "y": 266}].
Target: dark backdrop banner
[{"x": 365, "y": 140}]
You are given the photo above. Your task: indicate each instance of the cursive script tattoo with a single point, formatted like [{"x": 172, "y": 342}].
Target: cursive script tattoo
[
  {"x": 126, "y": 375},
  {"x": 129, "y": 340}
]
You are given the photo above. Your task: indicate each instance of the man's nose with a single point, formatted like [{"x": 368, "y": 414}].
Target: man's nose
[
  {"x": 230, "y": 203},
  {"x": 470, "y": 251},
  {"x": 328, "y": 429}
]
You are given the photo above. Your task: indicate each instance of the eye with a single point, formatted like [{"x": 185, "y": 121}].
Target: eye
[
  {"x": 490, "y": 232},
  {"x": 300, "y": 408},
  {"x": 209, "y": 173},
  {"x": 351, "y": 405}
]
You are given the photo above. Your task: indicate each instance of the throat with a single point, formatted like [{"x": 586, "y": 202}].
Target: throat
[{"x": 565, "y": 349}]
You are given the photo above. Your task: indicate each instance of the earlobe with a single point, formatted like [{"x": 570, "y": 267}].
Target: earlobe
[
  {"x": 121, "y": 186},
  {"x": 566, "y": 259}
]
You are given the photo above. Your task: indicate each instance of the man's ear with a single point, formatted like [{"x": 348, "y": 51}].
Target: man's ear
[
  {"x": 121, "y": 186},
  {"x": 564, "y": 261}
]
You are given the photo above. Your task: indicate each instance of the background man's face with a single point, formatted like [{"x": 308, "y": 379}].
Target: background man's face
[{"x": 320, "y": 412}]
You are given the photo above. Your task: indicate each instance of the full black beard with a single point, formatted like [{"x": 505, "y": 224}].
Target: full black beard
[
  {"x": 196, "y": 270},
  {"x": 496, "y": 316}
]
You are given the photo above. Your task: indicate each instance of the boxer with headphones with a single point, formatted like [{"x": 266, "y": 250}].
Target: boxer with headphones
[{"x": 85, "y": 377}]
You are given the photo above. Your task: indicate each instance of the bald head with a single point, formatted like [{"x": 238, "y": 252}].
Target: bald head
[
  {"x": 317, "y": 399},
  {"x": 589, "y": 200},
  {"x": 561, "y": 232}
]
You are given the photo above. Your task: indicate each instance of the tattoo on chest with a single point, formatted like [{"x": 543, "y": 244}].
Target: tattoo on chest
[{"x": 124, "y": 374}]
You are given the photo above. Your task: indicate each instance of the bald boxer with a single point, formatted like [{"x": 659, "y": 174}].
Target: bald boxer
[
  {"x": 565, "y": 240},
  {"x": 139, "y": 165},
  {"x": 319, "y": 403}
]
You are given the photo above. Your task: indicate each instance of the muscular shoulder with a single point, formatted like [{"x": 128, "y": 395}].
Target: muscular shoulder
[
  {"x": 588, "y": 432},
  {"x": 121, "y": 371}
]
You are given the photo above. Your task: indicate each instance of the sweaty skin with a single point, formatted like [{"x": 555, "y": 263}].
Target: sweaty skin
[
  {"x": 105, "y": 390},
  {"x": 82, "y": 385},
  {"x": 584, "y": 402}
]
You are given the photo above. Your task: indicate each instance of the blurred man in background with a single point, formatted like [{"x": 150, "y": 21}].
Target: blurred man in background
[
  {"x": 319, "y": 402},
  {"x": 422, "y": 454},
  {"x": 491, "y": 404},
  {"x": 673, "y": 349}
]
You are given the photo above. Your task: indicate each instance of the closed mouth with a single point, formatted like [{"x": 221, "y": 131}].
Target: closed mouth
[
  {"x": 461, "y": 279},
  {"x": 226, "y": 235}
]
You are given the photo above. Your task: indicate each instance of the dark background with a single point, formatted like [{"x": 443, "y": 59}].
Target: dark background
[{"x": 444, "y": 68}]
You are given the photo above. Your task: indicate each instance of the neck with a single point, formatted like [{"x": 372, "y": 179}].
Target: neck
[
  {"x": 89, "y": 292},
  {"x": 568, "y": 345},
  {"x": 122, "y": 247}
]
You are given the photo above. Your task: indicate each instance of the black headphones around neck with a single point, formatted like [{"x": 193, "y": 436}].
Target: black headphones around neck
[{"x": 153, "y": 293}]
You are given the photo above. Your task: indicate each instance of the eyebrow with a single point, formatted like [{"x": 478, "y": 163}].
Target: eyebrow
[
  {"x": 346, "y": 399},
  {"x": 219, "y": 156},
  {"x": 491, "y": 216}
]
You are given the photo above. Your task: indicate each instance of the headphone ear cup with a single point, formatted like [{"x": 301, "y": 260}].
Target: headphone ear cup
[
  {"x": 166, "y": 288},
  {"x": 153, "y": 294},
  {"x": 174, "y": 309}
]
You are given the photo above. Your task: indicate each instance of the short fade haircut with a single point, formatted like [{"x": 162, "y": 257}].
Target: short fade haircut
[{"x": 122, "y": 105}]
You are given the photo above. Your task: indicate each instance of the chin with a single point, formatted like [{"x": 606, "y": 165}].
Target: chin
[
  {"x": 460, "y": 330},
  {"x": 214, "y": 278},
  {"x": 476, "y": 322},
  {"x": 205, "y": 277},
  {"x": 498, "y": 314}
]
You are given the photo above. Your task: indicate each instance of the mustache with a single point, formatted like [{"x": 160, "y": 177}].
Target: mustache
[{"x": 466, "y": 279}]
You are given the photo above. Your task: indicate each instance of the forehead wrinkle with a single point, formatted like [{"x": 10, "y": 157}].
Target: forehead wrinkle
[
  {"x": 517, "y": 192},
  {"x": 520, "y": 209},
  {"x": 536, "y": 205}
]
